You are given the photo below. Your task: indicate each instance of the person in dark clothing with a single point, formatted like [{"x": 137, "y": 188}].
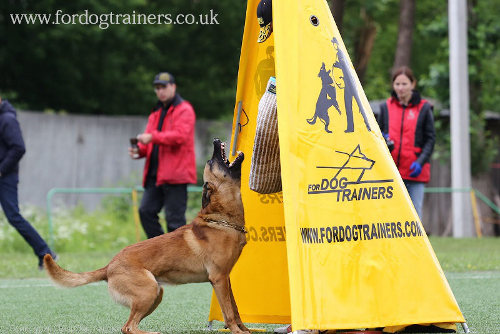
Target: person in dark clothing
[
  {"x": 168, "y": 146},
  {"x": 12, "y": 150},
  {"x": 406, "y": 121}
]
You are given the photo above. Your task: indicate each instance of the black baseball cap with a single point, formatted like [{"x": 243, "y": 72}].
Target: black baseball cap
[
  {"x": 265, "y": 19},
  {"x": 163, "y": 78}
]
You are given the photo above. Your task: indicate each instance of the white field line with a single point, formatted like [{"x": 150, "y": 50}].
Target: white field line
[
  {"x": 21, "y": 284},
  {"x": 25, "y": 286},
  {"x": 473, "y": 275}
]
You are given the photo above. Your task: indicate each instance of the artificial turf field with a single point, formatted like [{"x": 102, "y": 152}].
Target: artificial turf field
[{"x": 29, "y": 303}]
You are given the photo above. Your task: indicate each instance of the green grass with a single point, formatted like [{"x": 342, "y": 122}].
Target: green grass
[
  {"x": 36, "y": 306},
  {"x": 31, "y": 304},
  {"x": 467, "y": 254},
  {"x": 478, "y": 295}
]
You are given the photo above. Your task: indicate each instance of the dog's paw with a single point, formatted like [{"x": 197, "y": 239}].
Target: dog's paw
[
  {"x": 239, "y": 331},
  {"x": 129, "y": 330},
  {"x": 244, "y": 328}
]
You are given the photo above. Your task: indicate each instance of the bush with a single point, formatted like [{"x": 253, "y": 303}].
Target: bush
[{"x": 110, "y": 227}]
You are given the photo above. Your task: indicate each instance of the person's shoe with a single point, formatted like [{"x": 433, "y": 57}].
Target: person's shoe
[
  {"x": 288, "y": 329},
  {"x": 40, "y": 260},
  {"x": 283, "y": 330}
]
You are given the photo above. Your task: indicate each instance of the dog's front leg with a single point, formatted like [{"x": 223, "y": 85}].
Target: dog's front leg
[
  {"x": 224, "y": 296},
  {"x": 235, "y": 310}
]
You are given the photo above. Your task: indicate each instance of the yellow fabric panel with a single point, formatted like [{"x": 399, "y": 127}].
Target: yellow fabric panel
[
  {"x": 260, "y": 277},
  {"x": 448, "y": 326},
  {"x": 357, "y": 250}
]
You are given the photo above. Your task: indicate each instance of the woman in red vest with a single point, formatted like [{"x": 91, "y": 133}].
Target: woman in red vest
[{"x": 407, "y": 124}]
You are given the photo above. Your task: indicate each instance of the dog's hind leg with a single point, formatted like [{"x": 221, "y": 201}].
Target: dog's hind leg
[
  {"x": 326, "y": 120},
  {"x": 222, "y": 288},
  {"x": 156, "y": 303},
  {"x": 139, "y": 291}
]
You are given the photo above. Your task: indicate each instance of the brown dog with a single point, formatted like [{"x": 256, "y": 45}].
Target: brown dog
[{"x": 205, "y": 250}]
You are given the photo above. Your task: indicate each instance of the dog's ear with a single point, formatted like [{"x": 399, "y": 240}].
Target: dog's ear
[{"x": 207, "y": 192}]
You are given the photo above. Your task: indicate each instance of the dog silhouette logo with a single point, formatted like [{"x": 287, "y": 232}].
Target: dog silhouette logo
[{"x": 328, "y": 97}]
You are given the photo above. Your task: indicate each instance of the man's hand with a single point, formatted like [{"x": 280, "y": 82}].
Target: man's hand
[
  {"x": 133, "y": 153},
  {"x": 415, "y": 169},
  {"x": 145, "y": 138}
]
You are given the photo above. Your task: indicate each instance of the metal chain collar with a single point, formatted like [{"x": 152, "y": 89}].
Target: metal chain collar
[{"x": 226, "y": 224}]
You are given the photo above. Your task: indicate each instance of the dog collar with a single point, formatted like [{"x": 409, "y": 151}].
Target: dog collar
[{"x": 226, "y": 224}]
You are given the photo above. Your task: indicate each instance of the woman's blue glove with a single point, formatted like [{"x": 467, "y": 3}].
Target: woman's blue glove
[
  {"x": 388, "y": 141},
  {"x": 415, "y": 169}
]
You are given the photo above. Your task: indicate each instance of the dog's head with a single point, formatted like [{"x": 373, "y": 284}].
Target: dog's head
[{"x": 222, "y": 178}]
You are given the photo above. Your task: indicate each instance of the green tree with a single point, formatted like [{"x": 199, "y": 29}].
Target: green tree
[
  {"x": 429, "y": 60},
  {"x": 92, "y": 69}
]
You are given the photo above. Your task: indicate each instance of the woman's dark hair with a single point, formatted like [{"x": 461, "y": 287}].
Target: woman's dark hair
[{"x": 403, "y": 70}]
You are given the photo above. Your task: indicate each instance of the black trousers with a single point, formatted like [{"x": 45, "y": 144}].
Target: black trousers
[
  {"x": 171, "y": 196},
  {"x": 10, "y": 205}
]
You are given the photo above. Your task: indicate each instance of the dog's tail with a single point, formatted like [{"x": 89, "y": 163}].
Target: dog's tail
[
  {"x": 312, "y": 120},
  {"x": 70, "y": 279}
]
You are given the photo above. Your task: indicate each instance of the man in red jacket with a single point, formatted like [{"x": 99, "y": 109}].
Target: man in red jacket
[{"x": 168, "y": 146}]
